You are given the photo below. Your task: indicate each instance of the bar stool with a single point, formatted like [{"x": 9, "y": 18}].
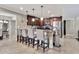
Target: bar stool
[
  {"x": 30, "y": 36},
  {"x": 56, "y": 39},
  {"x": 35, "y": 40},
  {"x": 20, "y": 35},
  {"x": 24, "y": 35},
  {"x": 26, "y": 38},
  {"x": 43, "y": 41}
]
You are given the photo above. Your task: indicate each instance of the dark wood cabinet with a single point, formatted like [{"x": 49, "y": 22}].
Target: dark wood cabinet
[{"x": 36, "y": 22}]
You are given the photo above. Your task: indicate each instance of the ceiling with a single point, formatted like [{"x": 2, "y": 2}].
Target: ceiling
[{"x": 49, "y": 10}]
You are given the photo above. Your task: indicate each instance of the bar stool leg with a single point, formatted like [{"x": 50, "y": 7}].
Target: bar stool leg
[
  {"x": 20, "y": 39},
  {"x": 48, "y": 43},
  {"x": 28, "y": 42},
  {"x": 43, "y": 47},
  {"x": 37, "y": 44},
  {"x": 33, "y": 41}
]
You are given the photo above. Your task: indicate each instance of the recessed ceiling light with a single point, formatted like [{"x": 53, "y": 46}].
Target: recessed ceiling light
[{"x": 21, "y": 8}]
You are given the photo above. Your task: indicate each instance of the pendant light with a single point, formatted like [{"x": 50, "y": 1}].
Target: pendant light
[
  {"x": 41, "y": 13},
  {"x": 33, "y": 14}
]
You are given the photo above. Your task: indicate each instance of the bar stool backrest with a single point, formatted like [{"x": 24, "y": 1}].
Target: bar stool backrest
[
  {"x": 17, "y": 31},
  {"x": 40, "y": 34},
  {"x": 29, "y": 27},
  {"x": 0, "y": 32},
  {"x": 30, "y": 32},
  {"x": 24, "y": 32},
  {"x": 20, "y": 32},
  {"x": 45, "y": 35}
]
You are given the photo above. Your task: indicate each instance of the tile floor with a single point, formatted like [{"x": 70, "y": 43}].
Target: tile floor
[{"x": 70, "y": 46}]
